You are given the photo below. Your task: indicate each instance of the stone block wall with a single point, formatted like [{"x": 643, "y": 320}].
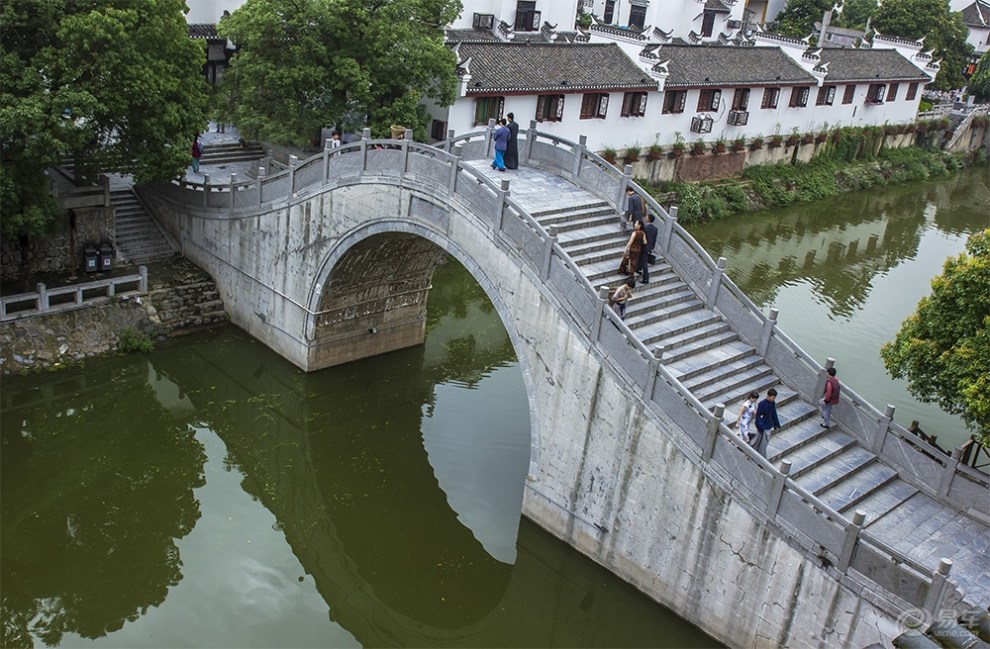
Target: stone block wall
[{"x": 51, "y": 253}]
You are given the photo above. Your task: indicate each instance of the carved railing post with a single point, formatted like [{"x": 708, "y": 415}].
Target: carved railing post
[
  {"x": 293, "y": 161},
  {"x": 365, "y": 136},
  {"x": 652, "y": 367},
  {"x": 936, "y": 592},
  {"x": 668, "y": 231},
  {"x": 42, "y": 296},
  {"x": 530, "y": 140},
  {"x": 711, "y": 432},
  {"x": 489, "y": 131},
  {"x": 623, "y": 183},
  {"x": 326, "y": 159},
  {"x": 503, "y": 193},
  {"x": 455, "y": 167},
  {"x": 206, "y": 190},
  {"x": 852, "y": 537},
  {"x": 767, "y": 333},
  {"x": 715, "y": 283},
  {"x": 548, "y": 251},
  {"x": 261, "y": 182},
  {"x": 448, "y": 144},
  {"x": 406, "y": 139},
  {"x": 233, "y": 192},
  {"x": 949, "y": 472},
  {"x": 579, "y": 155},
  {"x": 143, "y": 282},
  {"x": 596, "y": 325},
  {"x": 883, "y": 427},
  {"x": 777, "y": 489}
]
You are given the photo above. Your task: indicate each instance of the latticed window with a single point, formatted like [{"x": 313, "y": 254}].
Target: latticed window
[
  {"x": 770, "y": 97},
  {"x": 634, "y": 104},
  {"x": 850, "y": 93},
  {"x": 549, "y": 108},
  {"x": 826, "y": 95},
  {"x": 673, "y": 101},
  {"x": 486, "y": 108},
  {"x": 709, "y": 100},
  {"x": 799, "y": 96},
  {"x": 892, "y": 92},
  {"x": 912, "y": 92},
  {"x": 594, "y": 105},
  {"x": 740, "y": 99},
  {"x": 876, "y": 93}
]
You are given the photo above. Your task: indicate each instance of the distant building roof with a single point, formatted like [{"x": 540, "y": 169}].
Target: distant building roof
[
  {"x": 718, "y": 65},
  {"x": 977, "y": 14},
  {"x": 561, "y": 68},
  {"x": 717, "y": 6},
  {"x": 845, "y": 65},
  {"x": 471, "y": 36},
  {"x": 201, "y": 30}
]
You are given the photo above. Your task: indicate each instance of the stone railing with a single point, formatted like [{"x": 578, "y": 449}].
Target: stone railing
[
  {"x": 766, "y": 491},
  {"x": 44, "y": 300}
]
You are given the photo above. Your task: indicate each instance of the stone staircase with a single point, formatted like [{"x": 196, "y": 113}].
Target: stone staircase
[
  {"x": 220, "y": 154},
  {"x": 188, "y": 308},
  {"x": 139, "y": 239},
  {"x": 699, "y": 348}
]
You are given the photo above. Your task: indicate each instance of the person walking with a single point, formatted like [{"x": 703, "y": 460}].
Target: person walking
[
  {"x": 646, "y": 252},
  {"x": 830, "y": 397},
  {"x": 620, "y": 297},
  {"x": 512, "y": 147},
  {"x": 746, "y": 414},
  {"x": 766, "y": 419},
  {"x": 634, "y": 247},
  {"x": 501, "y": 138},
  {"x": 634, "y": 206},
  {"x": 197, "y": 152}
]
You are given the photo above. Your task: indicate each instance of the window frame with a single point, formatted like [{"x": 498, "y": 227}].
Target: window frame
[
  {"x": 634, "y": 104},
  {"x": 709, "y": 100},
  {"x": 639, "y": 20},
  {"x": 771, "y": 98},
  {"x": 892, "y": 92},
  {"x": 499, "y": 105},
  {"x": 876, "y": 94},
  {"x": 707, "y": 24},
  {"x": 552, "y": 113},
  {"x": 740, "y": 99},
  {"x": 912, "y": 91},
  {"x": 799, "y": 97},
  {"x": 594, "y": 105},
  {"x": 826, "y": 96},
  {"x": 674, "y": 102},
  {"x": 849, "y": 94}
]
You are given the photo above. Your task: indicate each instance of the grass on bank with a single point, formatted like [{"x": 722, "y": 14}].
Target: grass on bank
[{"x": 849, "y": 164}]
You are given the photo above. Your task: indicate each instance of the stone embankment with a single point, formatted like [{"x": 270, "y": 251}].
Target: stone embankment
[{"x": 69, "y": 337}]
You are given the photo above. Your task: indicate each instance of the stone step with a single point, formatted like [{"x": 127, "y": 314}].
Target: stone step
[
  {"x": 587, "y": 222},
  {"x": 836, "y": 468},
  {"x": 613, "y": 243},
  {"x": 796, "y": 436},
  {"x": 689, "y": 343},
  {"x": 680, "y": 324},
  {"x": 714, "y": 392},
  {"x": 857, "y": 486},
  {"x": 646, "y": 320},
  {"x": 558, "y": 217},
  {"x": 886, "y": 500},
  {"x": 810, "y": 456},
  {"x": 553, "y": 212},
  {"x": 704, "y": 361},
  {"x": 645, "y": 309},
  {"x": 600, "y": 233}
]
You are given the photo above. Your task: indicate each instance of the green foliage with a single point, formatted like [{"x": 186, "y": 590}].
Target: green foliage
[
  {"x": 117, "y": 85},
  {"x": 799, "y": 17},
  {"x": 131, "y": 340},
  {"x": 855, "y": 14},
  {"x": 784, "y": 183},
  {"x": 943, "y": 30},
  {"x": 348, "y": 62},
  {"x": 979, "y": 83},
  {"x": 943, "y": 349}
]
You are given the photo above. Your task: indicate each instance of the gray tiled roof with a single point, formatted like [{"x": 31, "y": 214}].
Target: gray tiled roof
[
  {"x": 716, "y": 6},
  {"x": 715, "y": 65},
  {"x": 202, "y": 30},
  {"x": 470, "y": 36},
  {"x": 846, "y": 65},
  {"x": 977, "y": 14},
  {"x": 562, "y": 67}
]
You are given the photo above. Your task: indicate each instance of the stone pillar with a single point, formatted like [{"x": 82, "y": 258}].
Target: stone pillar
[
  {"x": 883, "y": 427},
  {"x": 715, "y": 283},
  {"x": 767, "y": 334},
  {"x": 579, "y": 155},
  {"x": 711, "y": 434},
  {"x": 233, "y": 192}
]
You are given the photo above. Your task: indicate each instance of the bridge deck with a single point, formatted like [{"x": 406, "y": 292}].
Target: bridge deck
[{"x": 703, "y": 352}]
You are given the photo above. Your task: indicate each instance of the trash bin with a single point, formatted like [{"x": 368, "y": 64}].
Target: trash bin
[
  {"x": 91, "y": 259},
  {"x": 106, "y": 257}
]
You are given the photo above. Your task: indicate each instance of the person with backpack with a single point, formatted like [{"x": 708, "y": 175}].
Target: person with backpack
[
  {"x": 197, "y": 152},
  {"x": 830, "y": 397}
]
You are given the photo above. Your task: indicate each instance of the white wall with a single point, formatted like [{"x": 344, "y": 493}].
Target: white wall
[
  {"x": 681, "y": 16},
  {"x": 555, "y": 12},
  {"x": 209, "y": 11},
  {"x": 977, "y": 37}
]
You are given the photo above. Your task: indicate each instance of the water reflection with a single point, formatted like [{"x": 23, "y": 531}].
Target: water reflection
[{"x": 92, "y": 505}]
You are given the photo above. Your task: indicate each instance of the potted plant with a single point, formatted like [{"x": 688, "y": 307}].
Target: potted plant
[
  {"x": 775, "y": 141},
  {"x": 889, "y": 129},
  {"x": 677, "y": 149},
  {"x": 923, "y": 127},
  {"x": 756, "y": 143},
  {"x": 609, "y": 155},
  {"x": 739, "y": 144},
  {"x": 793, "y": 138},
  {"x": 910, "y": 128},
  {"x": 698, "y": 147},
  {"x": 837, "y": 135},
  {"x": 821, "y": 137},
  {"x": 632, "y": 154},
  {"x": 807, "y": 138},
  {"x": 719, "y": 145},
  {"x": 654, "y": 152}
]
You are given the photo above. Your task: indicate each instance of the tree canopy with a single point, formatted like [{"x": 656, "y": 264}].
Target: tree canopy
[
  {"x": 307, "y": 64},
  {"x": 943, "y": 349},
  {"x": 117, "y": 84},
  {"x": 979, "y": 83},
  {"x": 943, "y": 30},
  {"x": 799, "y": 17},
  {"x": 855, "y": 13}
]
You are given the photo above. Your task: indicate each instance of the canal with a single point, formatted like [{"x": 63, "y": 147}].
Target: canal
[
  {"x": 845, "y": 273},
  {"x": 210, "y": 494}
]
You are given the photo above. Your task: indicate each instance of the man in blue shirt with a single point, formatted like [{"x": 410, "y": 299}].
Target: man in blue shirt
[
  {"x": 766, "y": 418},
  {"x": 501, "y": 138}
]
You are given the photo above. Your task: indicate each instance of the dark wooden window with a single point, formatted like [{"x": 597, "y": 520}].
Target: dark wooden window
[
  {"x": 708, "y": 24},
  {"x": 438, "y": 130},
  {"x": 770, "y": 97},
  {"x": 673, "y": 101},
  {"x": 847, "y": 96},
  {"x": 799, "y": 96},
  {"x": 892, "y": 92},
  {"x": 486, "y": 108},
  {"x": 740, "y": 100},
  {"x": 549, "y": 108},
  {"x": 709, "y": 100},
  {"x": 876, "y": 93},
  {"x": 609, "y": 15},
  {"x": 637, "y": 16},
  {"x": 912, "y": 91},
  {"x": 826, "y": 96},
  {"x": 594, "y": 105},
  {"x": 634, "y": 104},
  {"x": 483, "y": 21},
  {"x": 527, "y": 17}
]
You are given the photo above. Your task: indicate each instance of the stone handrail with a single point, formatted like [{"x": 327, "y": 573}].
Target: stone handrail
[
  {"x": 735, "y": 466},
  {"x": 44, "y": 300}
]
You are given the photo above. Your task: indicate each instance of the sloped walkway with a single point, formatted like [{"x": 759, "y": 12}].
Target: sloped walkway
[{"x": 698, "y": 347}]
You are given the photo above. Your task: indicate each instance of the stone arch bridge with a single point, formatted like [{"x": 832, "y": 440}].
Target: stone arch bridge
[{"x": 838, "y": 539}]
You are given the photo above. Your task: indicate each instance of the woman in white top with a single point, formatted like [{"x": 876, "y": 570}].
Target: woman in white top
[{"x": 746, "y": 414}]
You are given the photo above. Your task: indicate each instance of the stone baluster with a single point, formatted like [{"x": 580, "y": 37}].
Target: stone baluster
[
  {"x": 233, "y": 192},
  {"x": 582, "y": 147},
  {"x": 767, "y": 333},
  {"x": 455, "y": 168},
  {"x": 365, "y": 136},
  {"x": 883, "y": 427},
  {"x": 715, "y": 283},
  {"x": 936, "y": 592},
  {"x": 852, "y": 537},
  {"x": 261, "y": 181},
  {"x": 530, "y": 140},
  {"x": 326, "y": 159},
  {"x": 777, "y": 489},
  {"x": 596, "y": 325},
  {"x": 548, "y": 251},
  {"x": 652, "y": 368},
  {"x": 293, "y": 161},
  {"x": 143, "y": 282},
  {"x": 448, "y": 145},
  {"x": 711, "y": 432},
  {"x": 489, "y": 131},
  {"x": 620, "y": 198},
  {"x": 949, "y": 472},
  {"x": 406, "y": 139},
  {"x": 503, "y": 193},
  {"x": 206, "y": 190},
  {"x": 43, "y": 296},
  {"x": 668, "y": 231}
]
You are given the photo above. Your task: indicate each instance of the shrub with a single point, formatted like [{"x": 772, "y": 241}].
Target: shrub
[
  {"x": 131, "y": 340},
  {"x": 632, "y": 154}
]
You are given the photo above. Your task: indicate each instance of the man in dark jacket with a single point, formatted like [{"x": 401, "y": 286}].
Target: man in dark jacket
[
  {"x": 766, "y": 418},
  {"x": 830, "y": 397},
  {"x": 512, "y": 147},
  {"x": 647, "y": 250},
  {"x": 634, "y": 206}
]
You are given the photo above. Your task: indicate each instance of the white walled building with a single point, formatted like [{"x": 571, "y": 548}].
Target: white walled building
[
  {"x": 693, "y": 21},
  {"x": 976, "y": 15},
  {"x": 520, "y": 15}
]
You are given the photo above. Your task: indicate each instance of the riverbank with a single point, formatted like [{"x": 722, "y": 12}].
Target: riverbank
[{"x": 844, "y": 168}]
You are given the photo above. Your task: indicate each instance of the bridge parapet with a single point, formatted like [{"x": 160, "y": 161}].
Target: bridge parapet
[{"x": 770, "y": 494}]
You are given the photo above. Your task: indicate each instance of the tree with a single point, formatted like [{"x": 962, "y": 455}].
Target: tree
[
  {"x": 979, "y": 83},
  {"x": 943, "y": 30},
  {"x": 117, "y": 84},
  {"x": 799, "y": 17},
  {"x": 943, "y": 349},
  {"x": 855, "y": 13},
  {"x": 303, "y": 65}
]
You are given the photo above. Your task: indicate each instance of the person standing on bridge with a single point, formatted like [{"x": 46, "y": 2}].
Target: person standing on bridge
[
  {"x": 746, "y": 414},
  {"x": 830, "y": 397},
  {"x": 646, "y": 253},
  {"x": 621, "y": 295},
  {"x": 501, "y": 138},
  {"x": 634, "y": 248},
  {"x": 197, "y": 152},
  {"x": 766, "y": 418},
  {"x": 634, "y": 206},
  {"x": 512, "y": 147}
]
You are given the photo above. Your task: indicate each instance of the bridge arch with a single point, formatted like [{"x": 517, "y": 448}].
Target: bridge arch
[{"x": 321, "y": 296}]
